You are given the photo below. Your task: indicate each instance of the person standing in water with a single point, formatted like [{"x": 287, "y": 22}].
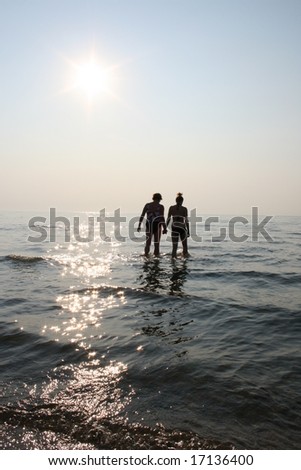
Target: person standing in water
[
  {"x": 180, "y": 225},
  {"x": 154, "y": 212}
]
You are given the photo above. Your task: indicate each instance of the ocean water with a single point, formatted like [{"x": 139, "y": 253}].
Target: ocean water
[{"x": 103, "y": 348}]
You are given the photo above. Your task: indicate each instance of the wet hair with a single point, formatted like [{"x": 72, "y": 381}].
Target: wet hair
[
  {"x": 179, "y": 198},
  {"x": 157, "y": 197}
]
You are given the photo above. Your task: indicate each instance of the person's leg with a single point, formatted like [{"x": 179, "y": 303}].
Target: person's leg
[
  {"x": 184, "y": 243},
  {"x": 157, "y": 236},
  {"x": 148, "y": 239},
  {"x": 174, "y": 238},
  {"x": 185, "y": 247}
]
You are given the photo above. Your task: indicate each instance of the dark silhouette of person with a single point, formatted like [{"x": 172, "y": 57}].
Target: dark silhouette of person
[
  {"x": 180, "y": 225},
  {"x": 155, "y": 221}
]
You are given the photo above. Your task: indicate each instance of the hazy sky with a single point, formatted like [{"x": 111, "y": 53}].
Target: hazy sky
[{"x": 201, "y": 96}]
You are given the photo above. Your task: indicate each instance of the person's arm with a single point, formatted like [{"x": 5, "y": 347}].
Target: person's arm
[
  {"x": 163, "y": 219},
  {"x": 142, "y": 217},
  {"x": 187, "y": 223},
  {"x": 168, "y": 217}
]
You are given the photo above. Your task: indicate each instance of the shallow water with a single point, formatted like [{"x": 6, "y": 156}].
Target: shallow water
[{"x": 102, "y": 348}]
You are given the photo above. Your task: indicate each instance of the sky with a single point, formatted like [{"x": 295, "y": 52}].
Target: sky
[{"x": 105, "y": 102}]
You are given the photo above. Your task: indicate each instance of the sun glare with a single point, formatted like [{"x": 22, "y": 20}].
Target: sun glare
[{"x": 91, "y": 79}]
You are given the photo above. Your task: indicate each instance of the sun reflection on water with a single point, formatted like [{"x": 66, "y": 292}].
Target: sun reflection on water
[
  {"x": 87, "y": 383},
  {"x": 90, "y": 389},
  {"x": 81, "y": 317},
  {"x": 85, "y": 267}
]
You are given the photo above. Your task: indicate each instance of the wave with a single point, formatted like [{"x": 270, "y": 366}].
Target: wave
[
  {"x": 101, "y": 434},
  {"x": 23, "y": 258},
  {"x": 131, "y": 292},
  {"x": 11, "y": 302},
  {"x": 283, "y": 278},
  {"x": 27, "y": 347}
]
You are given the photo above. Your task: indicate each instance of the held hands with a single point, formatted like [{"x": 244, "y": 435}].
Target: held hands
[{"x": 164, "y": 230}]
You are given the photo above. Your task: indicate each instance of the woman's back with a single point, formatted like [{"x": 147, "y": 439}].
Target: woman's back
[{"x": 178, "y": 213}]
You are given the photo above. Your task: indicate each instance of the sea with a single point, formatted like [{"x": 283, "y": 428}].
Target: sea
[{"x": 103, "y": 348}]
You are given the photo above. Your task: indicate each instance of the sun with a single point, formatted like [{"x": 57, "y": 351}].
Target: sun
[{"x": 91, "y": 78}]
